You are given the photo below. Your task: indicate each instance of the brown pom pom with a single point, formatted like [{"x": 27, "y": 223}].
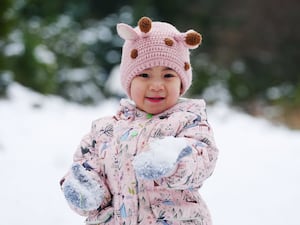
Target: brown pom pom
[
  {"x": 145, "y": 24},
  {"x": 186, "y": 66},
  {"x": 169, "y": 41},
  {"x": 134, "y": 53},
  {"x": 193, "y": 38}
]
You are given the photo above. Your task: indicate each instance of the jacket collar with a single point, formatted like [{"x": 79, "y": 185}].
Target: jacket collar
[{"x": 129, "y": 111}]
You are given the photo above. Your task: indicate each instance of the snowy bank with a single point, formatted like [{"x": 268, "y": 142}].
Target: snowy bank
[{"x": 256, "y": 180}]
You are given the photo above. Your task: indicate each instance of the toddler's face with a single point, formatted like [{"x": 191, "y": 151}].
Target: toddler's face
[{"x": 155, "y": 89}]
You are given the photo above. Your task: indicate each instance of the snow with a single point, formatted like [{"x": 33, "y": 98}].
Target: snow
[
  {"x": 256, "y": 181},
  {"x": 160, "y": 160},
  {"x": 113, "y": 84},
  {"x": 44, "y": 55}
]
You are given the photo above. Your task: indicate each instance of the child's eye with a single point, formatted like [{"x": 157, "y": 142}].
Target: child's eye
[
  {"x": 145, "y": 75},
  {"x": 169, "y": 75}
]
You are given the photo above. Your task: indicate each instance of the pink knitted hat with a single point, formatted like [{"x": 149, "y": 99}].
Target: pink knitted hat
[{"x": 156, "y": 44}]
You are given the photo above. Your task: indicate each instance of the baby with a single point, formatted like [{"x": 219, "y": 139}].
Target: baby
[{"x": 146, "y": 163}]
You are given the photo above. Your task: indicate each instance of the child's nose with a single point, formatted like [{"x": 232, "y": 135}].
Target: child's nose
[{"x": 156, "y": 85}]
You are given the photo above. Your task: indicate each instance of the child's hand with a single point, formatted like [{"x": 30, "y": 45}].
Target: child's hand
[
  {"x": 81, "y": 190},
  {"x": 161, "y": 159}
]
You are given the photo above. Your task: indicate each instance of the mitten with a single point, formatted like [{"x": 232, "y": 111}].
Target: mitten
[
  {"x": 161, "y": 159},
  {"x": 81, "y": 190}
]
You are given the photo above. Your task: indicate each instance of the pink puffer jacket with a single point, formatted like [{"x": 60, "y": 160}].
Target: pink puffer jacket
[{"x": 112, "y": 144}]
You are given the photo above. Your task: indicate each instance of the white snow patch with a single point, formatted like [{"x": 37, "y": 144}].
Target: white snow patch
[{"x": 256, "y": 181}]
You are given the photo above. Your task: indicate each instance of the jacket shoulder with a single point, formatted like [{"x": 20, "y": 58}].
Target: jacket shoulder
[{"x": 192, "y": 104}]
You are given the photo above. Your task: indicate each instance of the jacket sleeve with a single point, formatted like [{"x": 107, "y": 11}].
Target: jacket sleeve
[
  {"x": 87, "y": 155},
  {"x": 193, "y": 169}
]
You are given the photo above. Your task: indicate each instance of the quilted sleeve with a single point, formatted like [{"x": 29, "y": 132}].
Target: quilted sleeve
[{"x": 87, "y": 155}]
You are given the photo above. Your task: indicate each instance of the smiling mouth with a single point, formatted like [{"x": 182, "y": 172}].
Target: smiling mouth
[{"x": 155, "y": 99}]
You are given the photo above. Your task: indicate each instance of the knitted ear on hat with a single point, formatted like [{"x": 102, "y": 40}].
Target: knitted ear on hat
[{"x": 126, "y": 32}]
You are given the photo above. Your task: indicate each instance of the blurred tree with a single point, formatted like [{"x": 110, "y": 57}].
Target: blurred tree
[
  {"x": 261, "y": 36},
  {"x": 62, "y": 47},
  {"x": 7, "y": 21},
  {"x": 69, "y": 47}
]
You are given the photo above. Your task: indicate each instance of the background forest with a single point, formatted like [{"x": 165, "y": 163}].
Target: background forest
[{"x": 249, "y": 58}]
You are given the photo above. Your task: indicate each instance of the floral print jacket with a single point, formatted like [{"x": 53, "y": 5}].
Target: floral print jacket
[{"x": 107, "y": 152}]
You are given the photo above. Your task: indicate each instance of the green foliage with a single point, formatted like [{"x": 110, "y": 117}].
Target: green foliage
[
  {"x": 29, "y": 67},
  {"x": 69, "y": 47},
  {"x": 57, "y": 54},
  {"x": 7, "y": 21}
]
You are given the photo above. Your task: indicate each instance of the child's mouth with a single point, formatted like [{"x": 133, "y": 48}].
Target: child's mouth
[{"x": 155, "y": 99}]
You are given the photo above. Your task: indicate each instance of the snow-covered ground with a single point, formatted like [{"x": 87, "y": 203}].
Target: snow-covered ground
[{"x": 256, "y": 181}]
